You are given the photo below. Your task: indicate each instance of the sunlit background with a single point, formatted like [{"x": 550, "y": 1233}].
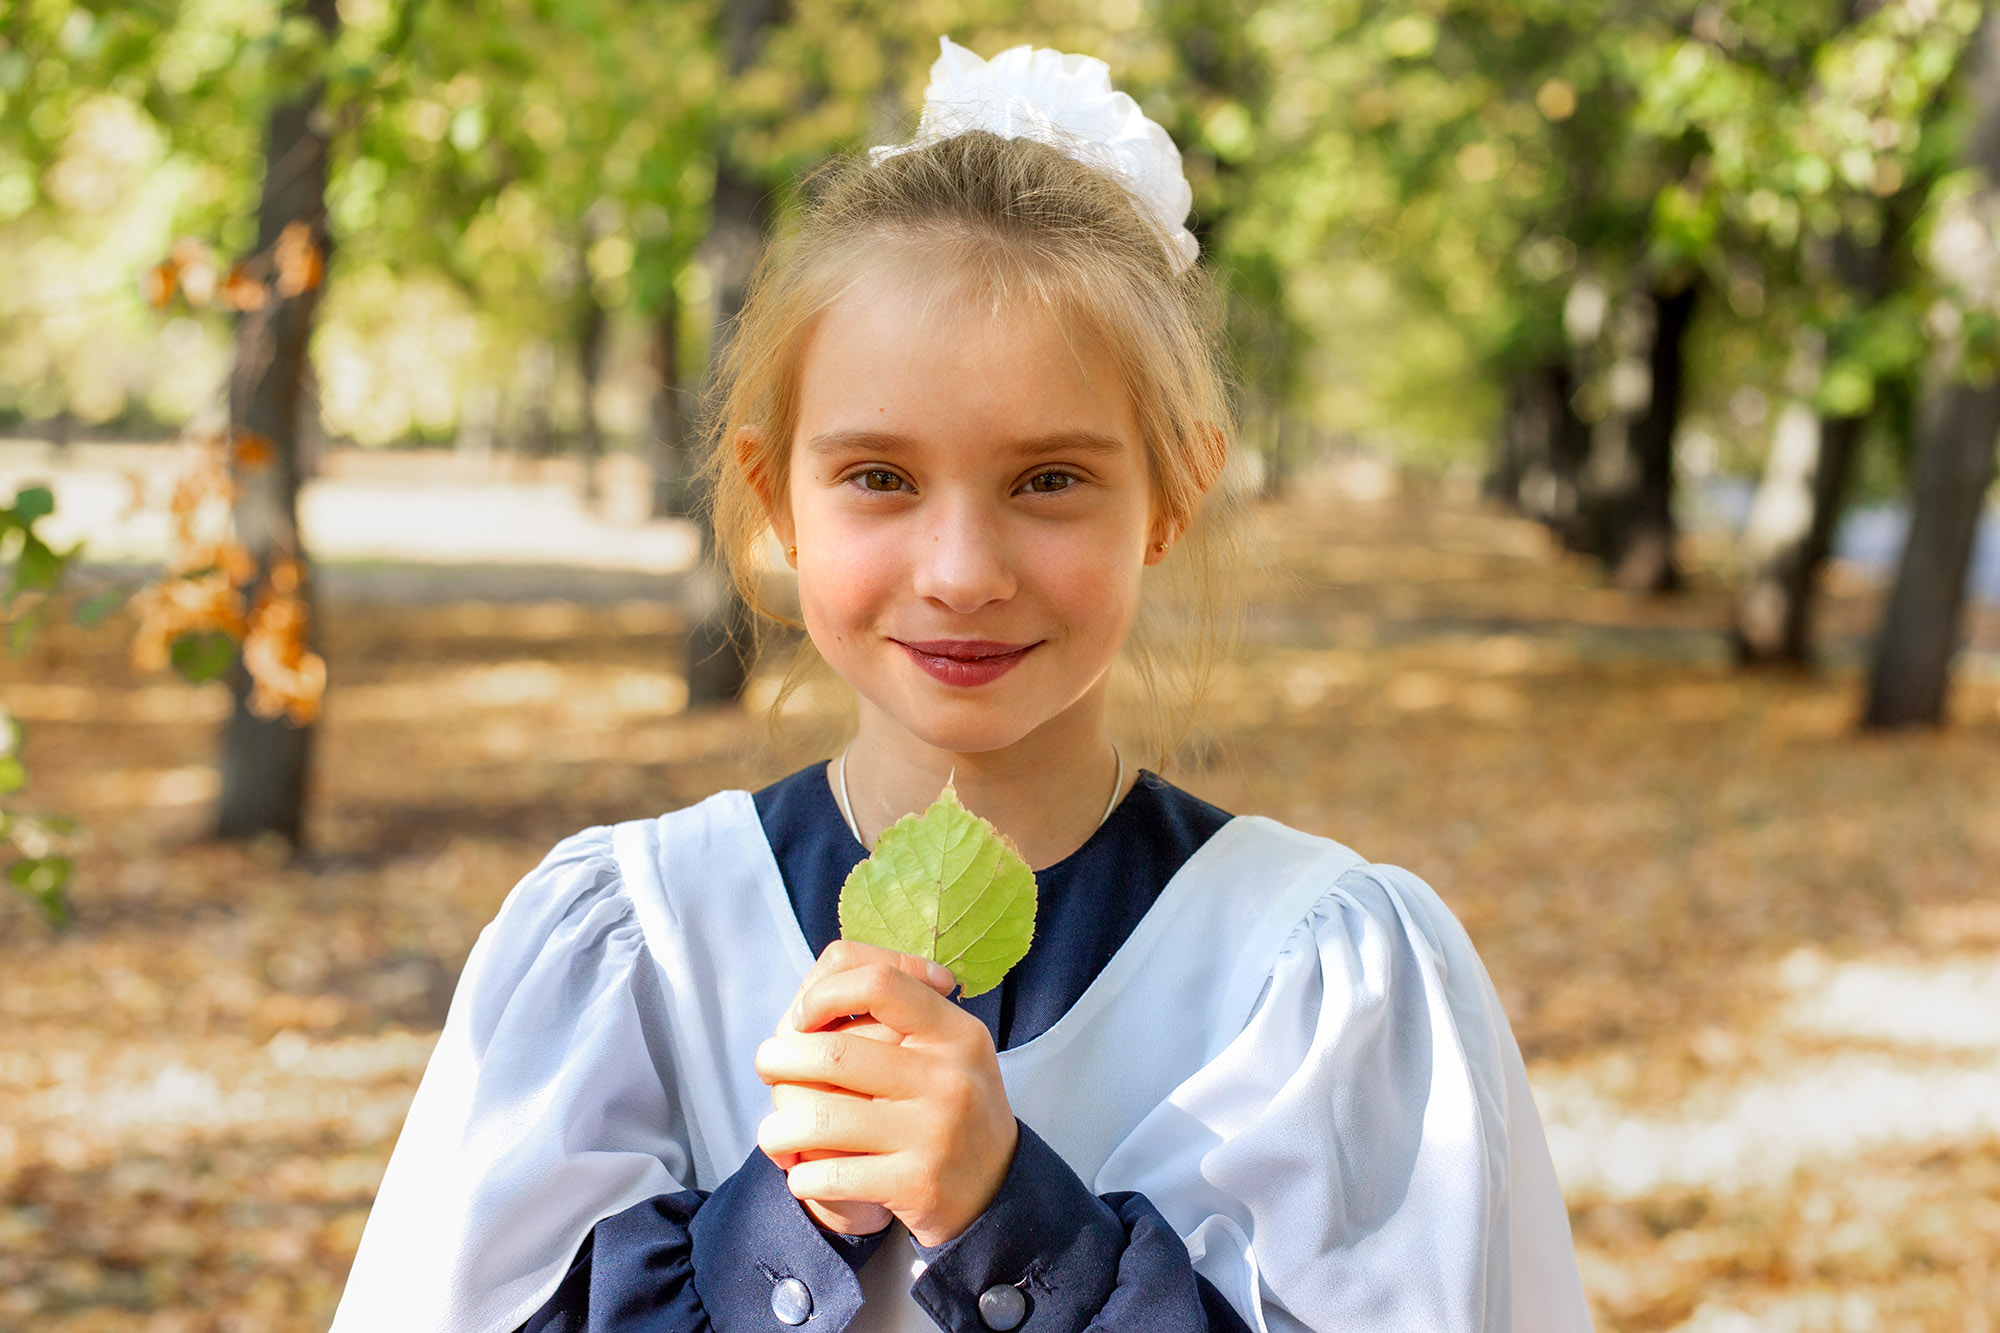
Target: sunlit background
[{"x": 1616, "y": 388}]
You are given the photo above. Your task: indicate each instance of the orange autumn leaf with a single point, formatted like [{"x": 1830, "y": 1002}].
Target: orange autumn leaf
[
  {"x": 188, "y": 269},
  {"x": 234, "y": 560},
  {"x": 138, "y": 487},
  {"x": 199, "y": 283},
  {"x": 299, "y": 261},
  {"x": 206, "y": 568},
  {"x": 180, "y": 605},
  {"x": 156, "y": 284},
  {"x": 253, "y": 452},
  {"x": 194, "y": 264},
  {"x": 241, "y": 291},
  {"x": 286, "y": 577},
  {"x": 287, "y": 677}
]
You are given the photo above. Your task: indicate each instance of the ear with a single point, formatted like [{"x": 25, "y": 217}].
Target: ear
[
  {"x": 1209, "y": 450},
  {"x": 753, "y": 459}
]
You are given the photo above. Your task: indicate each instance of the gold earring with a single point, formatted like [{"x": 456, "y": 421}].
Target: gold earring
[
  {"x": 1161, "y": 547},
  {"x": 791, "y": 553}
]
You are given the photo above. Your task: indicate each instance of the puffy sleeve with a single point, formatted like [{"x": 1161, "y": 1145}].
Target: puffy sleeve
[
  {"x": 1366, "y": 1153},
  {"x": 548, "y": 1105}
]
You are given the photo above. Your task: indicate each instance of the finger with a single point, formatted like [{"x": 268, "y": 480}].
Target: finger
[
  {"x": 888, "y": 994},
  {"x": 845, "y": 955},
  {"x": 792, "y": 1094},
  {"x": 864, "y": 1026},
  {"x": 842, "y": 955},
  {"x": 855, "y": 1178},
  {"x": 829, "y": 1121},
  {"x": 787, "y": 1160},
  {"x": 836, "y": 956},
  {"x": 838, "y": 1060}
]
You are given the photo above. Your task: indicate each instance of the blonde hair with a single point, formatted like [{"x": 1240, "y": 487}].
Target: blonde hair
[{"x": 1007, "y": 220}]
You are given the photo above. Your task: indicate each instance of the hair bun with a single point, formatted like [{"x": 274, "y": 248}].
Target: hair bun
[{"x": 1067, "y": 102}]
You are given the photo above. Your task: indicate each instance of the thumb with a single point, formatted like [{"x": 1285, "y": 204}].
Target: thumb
[{"x": 935, "y": 975}]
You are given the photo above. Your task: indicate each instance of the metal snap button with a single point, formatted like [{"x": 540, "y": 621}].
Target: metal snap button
[
  {"x": 1002, "y": 1308},
  {"x": 793, "y": 1303}
]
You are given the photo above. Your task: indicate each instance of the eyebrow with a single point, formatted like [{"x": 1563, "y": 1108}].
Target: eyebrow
[{"x": 1065, "y": 441}]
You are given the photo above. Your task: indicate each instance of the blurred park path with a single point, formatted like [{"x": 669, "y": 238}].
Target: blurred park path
[{"x": 1752, "y": 957}]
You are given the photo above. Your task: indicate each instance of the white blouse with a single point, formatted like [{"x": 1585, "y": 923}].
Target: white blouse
[{"x": 1296, "y": 1056}]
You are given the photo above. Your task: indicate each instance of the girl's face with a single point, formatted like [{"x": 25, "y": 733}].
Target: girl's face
[{"x": 970, "y": 500}]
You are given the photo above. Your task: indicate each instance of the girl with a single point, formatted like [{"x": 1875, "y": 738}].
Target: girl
[{"x": 1242, "y": 1079}]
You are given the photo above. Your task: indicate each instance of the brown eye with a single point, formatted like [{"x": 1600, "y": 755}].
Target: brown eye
[
  {"x": 1045, "y": 483},
  {"x": 881, "y": 479}
]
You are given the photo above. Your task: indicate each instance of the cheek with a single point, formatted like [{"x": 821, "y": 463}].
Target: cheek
[
  {"x": 1095, "y": 581},
  {"x": 844, "y": 580}
]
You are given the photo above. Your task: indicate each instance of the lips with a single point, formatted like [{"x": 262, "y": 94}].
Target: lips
[{"x": 965, "y": 662}]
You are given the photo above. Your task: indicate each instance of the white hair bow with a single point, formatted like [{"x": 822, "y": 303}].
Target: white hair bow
[{"x": 1067, "y": 102}]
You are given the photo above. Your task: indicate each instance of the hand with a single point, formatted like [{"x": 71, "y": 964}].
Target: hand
[
  {"x": 919, "y": 1126},
  {"x": 849, "y": 1219}
]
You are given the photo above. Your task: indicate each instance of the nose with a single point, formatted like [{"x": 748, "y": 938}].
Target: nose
[{"x": 963, "y": 564}]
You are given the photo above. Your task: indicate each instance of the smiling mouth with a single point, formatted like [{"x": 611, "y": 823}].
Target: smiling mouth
[
  {"x": 964, "y": 650},
  {"x": 966, "y": 662}
]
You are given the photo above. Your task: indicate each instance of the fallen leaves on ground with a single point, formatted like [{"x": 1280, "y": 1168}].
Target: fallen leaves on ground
[{"x": 1664, "y": 863}]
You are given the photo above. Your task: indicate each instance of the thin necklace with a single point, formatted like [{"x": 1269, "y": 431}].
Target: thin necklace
[{"x": 847, "y": 802}]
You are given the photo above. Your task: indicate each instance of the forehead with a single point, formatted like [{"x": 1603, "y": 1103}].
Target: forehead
[{"x": 930, "y": 359}]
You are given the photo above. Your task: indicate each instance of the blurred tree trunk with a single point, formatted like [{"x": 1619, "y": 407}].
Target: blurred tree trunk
[
  {"x": 538, "y": 423},
  {"x": 1626, "y": 503},
  {"x": 1955, "y": 463},
  {"x": 590, "y": 362},
  {"x": 1804, "y": 490},
  {"x": 1953, "y": 471},
  {"x": 719, "y": 643},
  {"x": 266, "y": 761},
  {"x": 1540, "y": 445},
  {"x": 673, "y": 446},
  {"x": 1790, "y": 532},
  {"x": 1643, "y": 558}
]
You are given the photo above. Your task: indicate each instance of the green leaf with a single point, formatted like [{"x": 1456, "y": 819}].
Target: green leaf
[
  {"x": 200, "y": 657},
  {"x": 39, "y": 568},
  {"x": 92, "y": 610},
  {"x": 22, "y": 630},
  {"x": 13, "y": 774},
  {"x": 43, "y": 878},
  {"x": 947, "y": 886},
  {"x": 33, "y": 502}
]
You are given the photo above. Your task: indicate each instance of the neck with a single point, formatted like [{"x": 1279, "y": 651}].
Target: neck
[{"x": 1047, "y": 791}]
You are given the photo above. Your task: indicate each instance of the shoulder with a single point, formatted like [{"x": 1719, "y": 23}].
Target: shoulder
[
  {"x": 589, "y": 891},
  {"x": 1330, "y": 896},
  {"x": 610, "y": 860},
  {"x": 1373, "y": 959}
]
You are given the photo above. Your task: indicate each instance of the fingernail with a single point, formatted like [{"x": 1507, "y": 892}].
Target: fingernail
[{"x": 941, "y": 976}]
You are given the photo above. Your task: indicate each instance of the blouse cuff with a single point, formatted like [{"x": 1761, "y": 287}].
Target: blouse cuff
[
  {"x": 1046, "y": 1248},
  {"x": 760, "y": 1261}
]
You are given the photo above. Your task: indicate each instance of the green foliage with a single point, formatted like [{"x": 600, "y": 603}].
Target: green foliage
[
  {"x": 204, "y": 656},
  {"x": 1400, "y": 196},
  {"x": 944, "y": 885},
  {"x": 43, "y": 879},
  {"x": 92, "y": 610},
  {"x": 36, "y": 844},
  {"x": 38, "y": 866}
]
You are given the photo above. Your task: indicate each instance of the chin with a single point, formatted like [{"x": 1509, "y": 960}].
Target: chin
[
  {"x": 972, "y": 725},
  {"x": 969, "y": 736},
  {"x": 959, "y": 725}
]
